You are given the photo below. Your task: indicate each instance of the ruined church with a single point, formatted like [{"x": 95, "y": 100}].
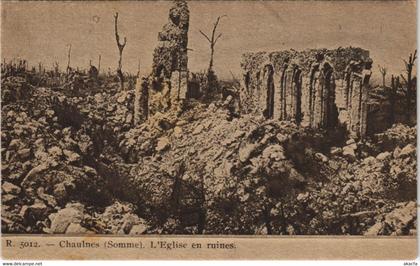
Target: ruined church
[{"x": 302, "y": 87}]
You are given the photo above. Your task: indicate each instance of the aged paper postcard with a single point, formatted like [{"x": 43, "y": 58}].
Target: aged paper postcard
[{"x": 208, "y": 130}]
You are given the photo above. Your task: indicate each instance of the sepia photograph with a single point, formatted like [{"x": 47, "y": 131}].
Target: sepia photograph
[{"x": 208, "y": 118}]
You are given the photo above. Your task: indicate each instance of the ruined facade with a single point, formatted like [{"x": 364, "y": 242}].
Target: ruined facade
[
  {"x": 301, "y": 86},
  {"x": 170, "y": 58},
  {"x": 169, "y": 75},
  {"x": 357, "y": 98}
]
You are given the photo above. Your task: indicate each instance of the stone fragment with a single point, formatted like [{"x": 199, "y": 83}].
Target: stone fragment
[
  {"x": 55, "y": 151},
  {"x": 383, "y": 156},
  {"x": 10, "y": 188},
  {"x": 162, "y": 144},
  {"x": 336, "y": 151},
  {"x": 76, "y": 228},
  {"x": 275, "y": 152},
  {"x": 321, "y": 157},
  {"x": 71, "y": 156},
  {"x": 198, "y": 129},
  {"x": 350, "y": 141},
  {"x": 407, "y": 150},
  {"x": 15, "y": 143},
  {"x": 349, "y": 152},
  {"x": 24, "y": 153},
  {"x": 9, "y": 199},
  {"x": 177, "y": 131},
  {"x": 60, "y": 221},
  {"x": 245, "y": 151}
]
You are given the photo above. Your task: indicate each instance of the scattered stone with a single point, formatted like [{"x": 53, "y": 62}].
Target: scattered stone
[
  {"x": 350, "y": 141},
  {"x": 55, "y": 151},
  {"x": 349, "y": 152},
  {"x": 407, "y": 150},
  {"x": 212, "y": 107},
  {"x": 33, "y": 172},
  {"x": 321, "y": 157},
  {"x": 121, "y": 99},
  {"x": 9, "y": 199},
  {"x": 10, "y": 188},
  {"x": 198, "y": 129},
  {"x": 50, "y": 200},
  {"x": 60, "y": 221},
  {"x": 245, "y": 151},
  {"x": 228, "y": 100},
  {"x": 177, "y": 131},
  {"x": 138, "y": 229},
  {"x": 71, "y": 156},
  {"x": 398, "y": 222},
  {"x": 15, "y": 144},
  {"x": 38, "y": 209},
  {"x": 384, "y": 156},
  {"x": 275, "y": 152},
  {"x": 336, "y": 151},
  {"x": 76, "y": 228},
  {"x": 281, "y": 138},
  {"x": 24, "y": 153},
  {"x": 162, "y": 144}
]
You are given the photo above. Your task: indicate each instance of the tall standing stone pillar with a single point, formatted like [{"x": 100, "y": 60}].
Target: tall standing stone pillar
[
  {"x": 268, "y": 90},
  {"x": 366, "y": 73},
  {"x": 170, "y": 58},
  {"x": 297, "y": 95},
  {"x": 277, "y": 96}
]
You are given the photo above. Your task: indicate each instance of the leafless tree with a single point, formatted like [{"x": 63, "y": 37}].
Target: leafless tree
[
  {"x": 68, "y": 59},
  {"x": 395, "y": 84},
  {"x": 383, "y": 73},
  {"x": 99, "y": 63},
  {"x": 213, "y": 40},
  {"x": 56, "y": 68},
  {"x": 138, "y": 69},
  {"x": 120, "y": 49},
  {"x": 410, "y": 83}
]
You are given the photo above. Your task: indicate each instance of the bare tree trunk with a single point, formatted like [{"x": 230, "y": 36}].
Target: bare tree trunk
[
  {"x": 212, "y": 41},
  {"x": 211, "y": 57},
  {"x": 392, "y": 99},
  {"x": 409, "y": 83},
  {"x": 120, "y": 50},
  {"x": 138, "y": 69},
  {"x": 383, "y": 73},
  {"x": 68, "y": 60},
  {"x": 99, "y": 63}
]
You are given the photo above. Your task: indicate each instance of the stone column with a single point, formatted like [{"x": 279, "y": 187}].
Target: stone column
[
  {"x": 312, "y": 94},
  {"x": 355, "y": 104},
  {"x": 277, "y": 96},
  {"x": 268, "y": 91},
  {"x": 364, "y": 100},
  {"x": 305, "y": 101},
  {"x": 283, "y": 92},
  {"x": 297, "y": 95}
]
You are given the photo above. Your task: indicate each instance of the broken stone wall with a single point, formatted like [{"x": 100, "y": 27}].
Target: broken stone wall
[
  {"x": 167, "y": 84},
  {"x": 305, "y": 84},
  {"x": 170, "y": 58}
]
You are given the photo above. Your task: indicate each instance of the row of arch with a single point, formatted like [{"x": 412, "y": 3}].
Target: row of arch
[{"x": 309, "y": 97}]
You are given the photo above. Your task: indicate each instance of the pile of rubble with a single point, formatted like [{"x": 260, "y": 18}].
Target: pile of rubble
[
  {"x": 51, "y": 147},
  {"x": 75, "y": 218}
]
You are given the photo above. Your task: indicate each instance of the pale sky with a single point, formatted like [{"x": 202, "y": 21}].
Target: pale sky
[{"x": 41, "y": 31}]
